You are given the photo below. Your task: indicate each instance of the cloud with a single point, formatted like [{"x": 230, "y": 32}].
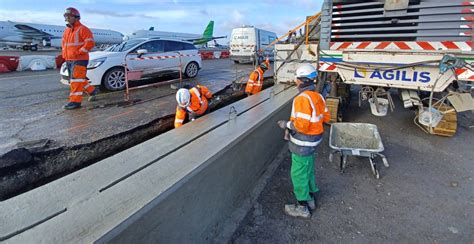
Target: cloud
[
  {"x": 169, "y": 14},
  {"x": 190, "y": 16},
  {"x": 205, "y": 12},
  {"x": 118, "y": 15},
  {"x": 50, "y": 17},
  {"x": 237, "y": 15},
  {"x": 136, "y": 2},
  {"x": 87, "y": 1}
]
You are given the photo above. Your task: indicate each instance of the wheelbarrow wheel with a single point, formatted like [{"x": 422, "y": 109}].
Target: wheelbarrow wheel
[
  {"x": 343, "y": 163},
  {"x": 375, "y": 171}
]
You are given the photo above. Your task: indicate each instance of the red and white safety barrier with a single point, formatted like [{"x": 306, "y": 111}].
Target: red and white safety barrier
[
  {"x": 214, "y": 54},
  {"x": 242, "y": 45},
  {"x": 401, "y": 45},
  {"x": 137, "y": 74},
  {"x": 8, "y": 63},
  {"x": 165, "y": 57}
]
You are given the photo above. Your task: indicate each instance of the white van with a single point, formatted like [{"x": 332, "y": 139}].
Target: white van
[{"x": 247, "y": 40}]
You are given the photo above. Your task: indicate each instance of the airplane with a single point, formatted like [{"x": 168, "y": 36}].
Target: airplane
[
  {"x": 29, "y": 35},
  {"x": 196, "y": 39}
]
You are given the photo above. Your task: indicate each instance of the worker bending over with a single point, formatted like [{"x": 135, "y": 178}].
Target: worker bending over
[
  {"x": 192, "y": 102},
  {"x": 308, "y": 113},
  {"x": 255, "y": 82}
]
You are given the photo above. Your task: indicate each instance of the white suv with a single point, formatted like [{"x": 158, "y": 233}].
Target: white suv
[{"x": 153, "y": 57}]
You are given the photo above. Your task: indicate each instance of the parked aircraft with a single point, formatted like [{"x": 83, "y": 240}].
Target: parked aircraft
[
  {"x": 30, "y": 35},
  {"x": 196, "y": 39}
]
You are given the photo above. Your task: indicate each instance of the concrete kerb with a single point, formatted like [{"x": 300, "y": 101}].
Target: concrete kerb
[{"x": 84, "y": 188}]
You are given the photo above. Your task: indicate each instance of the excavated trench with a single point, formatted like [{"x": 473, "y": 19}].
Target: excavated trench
[{"x": 26, "y": 168}]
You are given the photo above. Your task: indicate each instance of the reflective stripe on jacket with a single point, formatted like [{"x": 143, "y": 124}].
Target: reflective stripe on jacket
[
  {"x": 255, "y": 81},
  {"x": 77, "y": 42},
  {"x": 308, "y": 113},
  {"x": 198, "y": 104}
]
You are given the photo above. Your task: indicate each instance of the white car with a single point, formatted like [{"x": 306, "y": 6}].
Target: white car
[{"x": 149, "y": 57}]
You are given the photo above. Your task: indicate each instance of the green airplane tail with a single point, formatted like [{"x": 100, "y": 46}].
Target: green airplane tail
[{"x": 209, "y": 31}]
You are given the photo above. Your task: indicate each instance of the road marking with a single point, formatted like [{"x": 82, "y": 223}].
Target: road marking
[
  {"x": 76, "y": 127},
  {"x": 120, "y": 114}
]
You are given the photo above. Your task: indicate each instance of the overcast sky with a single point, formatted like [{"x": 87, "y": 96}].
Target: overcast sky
[{"x": 187, "y": 16}]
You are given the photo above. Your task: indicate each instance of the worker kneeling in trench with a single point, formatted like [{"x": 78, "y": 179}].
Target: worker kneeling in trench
[{"x": 192, "y": 102}]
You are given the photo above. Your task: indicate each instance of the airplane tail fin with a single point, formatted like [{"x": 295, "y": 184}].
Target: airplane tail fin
[
  {"x": 152, "y": 28},
  {"x": 209, "y": 31}
]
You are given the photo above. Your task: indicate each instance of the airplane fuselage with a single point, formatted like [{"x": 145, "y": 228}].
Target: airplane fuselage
[{"x": 11, "y": 34}]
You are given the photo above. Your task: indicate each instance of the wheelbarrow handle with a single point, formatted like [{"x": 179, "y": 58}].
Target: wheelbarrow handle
[{"x": 384, "y": 160}]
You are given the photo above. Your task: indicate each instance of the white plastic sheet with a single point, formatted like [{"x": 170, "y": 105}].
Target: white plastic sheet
[{"x": 36, "y": 62}]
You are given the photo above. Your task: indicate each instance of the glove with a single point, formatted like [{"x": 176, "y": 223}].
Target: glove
[{"x": 282, "y": 124}]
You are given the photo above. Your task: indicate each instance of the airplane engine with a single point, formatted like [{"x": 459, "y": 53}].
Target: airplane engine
[{"x": 52, "y": 43}]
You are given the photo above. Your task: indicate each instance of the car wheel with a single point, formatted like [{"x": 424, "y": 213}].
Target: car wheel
[
  {"x": 114, "y": 79},
  {"x": 191, "y": 70},
  {"x": 236, "y": 61}
]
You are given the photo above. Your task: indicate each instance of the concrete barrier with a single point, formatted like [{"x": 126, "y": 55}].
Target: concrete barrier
[{"x": 181, "y": 186}]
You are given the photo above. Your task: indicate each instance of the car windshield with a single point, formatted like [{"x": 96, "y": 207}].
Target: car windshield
[{"x": 124, "y": 46}]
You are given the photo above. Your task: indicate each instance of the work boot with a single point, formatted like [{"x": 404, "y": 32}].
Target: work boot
[
  {"x": 297, "y": 210},
  {"x": 92, "y": 96},
  {"x": 72, "y": 105},
  {"x": 312, "y": 204}
]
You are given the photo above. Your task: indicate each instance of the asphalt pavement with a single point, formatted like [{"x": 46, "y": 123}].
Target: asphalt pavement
[
  {"x": 425, "y": 196},
  {"x": 31, "y": 104},
  {"x": 40, "y": 141}
]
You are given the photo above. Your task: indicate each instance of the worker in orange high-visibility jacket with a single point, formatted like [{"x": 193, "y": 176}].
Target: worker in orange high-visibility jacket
[
  {"x": 255, "y": 81},
  {"x": 308, "y": 114},
  {"x": 192, "y": 102},
  {"x": 76, "y": 43}
]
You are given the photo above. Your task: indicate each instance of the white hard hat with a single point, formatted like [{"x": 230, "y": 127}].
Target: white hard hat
[
  {"x": 306, "y": 71},
  {"x": 183, "y": 97}
]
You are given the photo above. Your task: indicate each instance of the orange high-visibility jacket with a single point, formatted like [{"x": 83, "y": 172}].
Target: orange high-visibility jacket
[
  {"x": 308, "y": 113},
  {"x": 77, "y": 42},
  {"x": 197, "y": 105},
  {"x": 255, "y": 81}
]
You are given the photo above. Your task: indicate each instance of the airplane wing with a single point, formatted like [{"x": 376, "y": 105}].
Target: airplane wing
[
  {"x": 201, "y": 39},
  {"x": 30, "y": 32}
]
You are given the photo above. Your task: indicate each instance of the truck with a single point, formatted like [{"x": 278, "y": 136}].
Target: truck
[
  {"x": 420, "y": 50},
  {"x": 247, "y": 41}
]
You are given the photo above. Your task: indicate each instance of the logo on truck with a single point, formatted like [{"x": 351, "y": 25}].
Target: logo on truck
[
  {"x": 397, "y": 75},
  {"x": 240, "y": 37}
]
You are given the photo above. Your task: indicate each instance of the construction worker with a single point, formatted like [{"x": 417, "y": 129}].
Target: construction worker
[
  {"x": 76, "y": 43},
  {"x": 255, "y": 81},
  {"x": 193, "y": 102},
  {"x": 306, "y": 132}
]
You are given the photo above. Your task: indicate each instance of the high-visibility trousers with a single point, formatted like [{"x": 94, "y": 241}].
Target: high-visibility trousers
[
  {"x": 303, "y": 176},
  {"x": 77, "y": 79}
]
